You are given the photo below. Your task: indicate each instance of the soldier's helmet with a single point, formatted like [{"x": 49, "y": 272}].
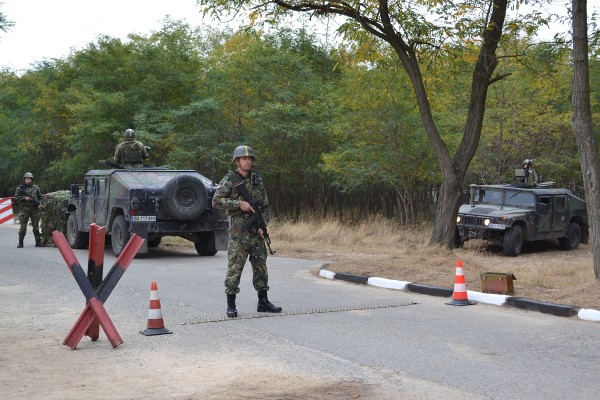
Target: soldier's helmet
[
  {"x": 28, "y": 175},
  {"x": 129, "y": 134},
  {"x": 242, "y": 151},
  {"x": 528, "y": 162}
]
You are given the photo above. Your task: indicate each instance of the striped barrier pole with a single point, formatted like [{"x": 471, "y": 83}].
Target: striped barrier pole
[
  {"x": 6, "y": 211},
  {"x": 95, "y": 269}
]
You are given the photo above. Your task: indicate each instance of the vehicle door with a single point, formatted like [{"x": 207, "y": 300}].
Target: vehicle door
[
  {"x": 87, "y": 201},
  {"x": 560, "y": 213},
  {"x": 544, "y": 222},
  {"x": 101, "y": 200}
]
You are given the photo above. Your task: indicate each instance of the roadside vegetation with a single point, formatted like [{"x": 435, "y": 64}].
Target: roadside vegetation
[{"x": 382, "y": 248}]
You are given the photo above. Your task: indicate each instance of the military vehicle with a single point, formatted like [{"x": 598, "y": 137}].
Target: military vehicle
[
  {"x": 510, "y": 214},
  {"x": 151, "y": 202}
]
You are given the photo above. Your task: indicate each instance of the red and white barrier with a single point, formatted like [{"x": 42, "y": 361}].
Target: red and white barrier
[{"x": 6, "y": 211}]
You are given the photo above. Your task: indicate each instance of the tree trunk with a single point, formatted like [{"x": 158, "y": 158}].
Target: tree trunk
[
  {"x": 454, "y": 175},
  {"x": 583, "y": 128}
]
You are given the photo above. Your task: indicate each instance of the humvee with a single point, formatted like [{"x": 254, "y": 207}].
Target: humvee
[
  {"x": 510, "y": 214},
  {"x": 151, "y": 202}
]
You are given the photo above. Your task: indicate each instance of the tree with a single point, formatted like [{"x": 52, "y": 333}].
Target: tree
[
  {"x": 583, "y": 127},
  {"x": 5, "y": 23},
  {"x": 404, "y": 27}
]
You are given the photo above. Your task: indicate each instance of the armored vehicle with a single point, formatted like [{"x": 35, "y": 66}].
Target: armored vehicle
[
  {"x": 151, "y": 202},
  {"x": 508, "y": 215}
]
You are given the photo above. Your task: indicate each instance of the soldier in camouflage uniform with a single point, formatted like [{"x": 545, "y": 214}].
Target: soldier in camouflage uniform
[
  {"x": 29, "y": 197},
  {"x": 244, "y": 244},
  {"x": 54, "y": 216},
  {"x": 131, "y": 153}
]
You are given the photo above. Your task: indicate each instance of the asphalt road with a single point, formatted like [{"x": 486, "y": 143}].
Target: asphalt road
[{"x": 424, "y": 349}]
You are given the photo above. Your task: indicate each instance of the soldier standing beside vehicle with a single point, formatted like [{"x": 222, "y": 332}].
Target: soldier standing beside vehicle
[
  {"x": 243, "y": 245},
  {"x": 131, "y": 153},
  {"x": 28, "y": 197}
]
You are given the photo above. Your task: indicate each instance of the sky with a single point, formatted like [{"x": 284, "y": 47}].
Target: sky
[{"x": 47, "y": 29}]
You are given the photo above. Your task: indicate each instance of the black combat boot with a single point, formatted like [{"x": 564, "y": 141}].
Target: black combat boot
[
  {"x": 264, "y": 305},
  {"x": 20, "y": 245},
  {"x": 231, "y": 310},
  {"x": 38, "y": 242}
]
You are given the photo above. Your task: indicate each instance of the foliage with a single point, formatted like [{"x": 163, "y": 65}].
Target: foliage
[{"x": 336, "y": 130}]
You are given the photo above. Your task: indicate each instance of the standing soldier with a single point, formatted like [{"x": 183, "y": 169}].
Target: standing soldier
[
  {"x": 244, "y": 244},
  {"x": 28, "y": 196},
  {"x": 131, "y": 153}
]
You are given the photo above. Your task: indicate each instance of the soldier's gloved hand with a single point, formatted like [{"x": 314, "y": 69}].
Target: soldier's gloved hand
[{"x": 246, "y": 207}]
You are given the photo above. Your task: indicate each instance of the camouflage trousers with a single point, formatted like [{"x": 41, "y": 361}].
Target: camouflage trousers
[
  {"x": 24, "y": 215},
  {"x": 241, "y": 247}
]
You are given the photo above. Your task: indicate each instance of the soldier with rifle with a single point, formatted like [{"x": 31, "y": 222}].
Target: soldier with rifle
[
  {"x": 131, "y": 153},
  {"x": 242, "y": 194},
  {"x": 28, "y": 197},
  {"x": 530, "y": 176}
]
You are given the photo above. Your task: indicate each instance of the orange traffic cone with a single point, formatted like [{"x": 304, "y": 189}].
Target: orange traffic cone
[
  {"x": 459, "y": 297},
  {"x": 156, "y": 325}
]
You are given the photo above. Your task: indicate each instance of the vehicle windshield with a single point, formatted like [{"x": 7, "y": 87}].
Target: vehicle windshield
[{"x": 514, "y": 198}]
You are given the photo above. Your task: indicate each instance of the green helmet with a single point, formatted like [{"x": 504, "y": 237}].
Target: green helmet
[
  {"x": 242, "y": 151},
  {"x": 129, "y": 134},
  {"x": 28, "y": 175}
]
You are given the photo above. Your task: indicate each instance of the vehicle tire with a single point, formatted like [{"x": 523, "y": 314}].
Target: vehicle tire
[
  {"x": 155, "y": 242},
  {"x": 513, "y": 241},
  {"x": 185, "y": 197},
  {"x": 457, "y": 243},
  {"x": 120, "y": 234},
  {"x": 573, "y": 238},
  {"x": 76, "y": 238},
  {"x": 206, "y": 245}
]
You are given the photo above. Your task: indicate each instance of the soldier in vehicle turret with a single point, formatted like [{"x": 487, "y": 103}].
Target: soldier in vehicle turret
[
  {"x": 530, "y": 177},
  {"x": 131, "y": 153}
]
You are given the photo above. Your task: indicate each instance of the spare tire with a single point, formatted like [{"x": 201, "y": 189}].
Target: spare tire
[{"x": 185, "y": 197}]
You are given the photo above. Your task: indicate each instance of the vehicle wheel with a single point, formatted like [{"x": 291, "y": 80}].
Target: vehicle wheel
[
  {"x": 154, "y": 242},
  {"x": 185, "y": 197},
  {"x": 458, "y": 243},
  {"x": 120, "y": 234},
  {"x": 76, "y": 238},
  {"x": 573, "y": 238},
  {"x": 206, "y": 245},
  {"x": 513, "y": 241}
]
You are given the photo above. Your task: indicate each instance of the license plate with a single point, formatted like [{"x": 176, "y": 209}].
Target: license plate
[
  {"x": 143, "y": 218},
  {"x": 497, "y": 226}
]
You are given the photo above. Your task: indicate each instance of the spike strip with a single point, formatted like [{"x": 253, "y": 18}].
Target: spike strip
[{"x": 209, "y": 319}]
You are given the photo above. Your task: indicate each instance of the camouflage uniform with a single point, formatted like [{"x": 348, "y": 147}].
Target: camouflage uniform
[
  {"x": 28, "y": 211},
  {"x": 131, "y": 154},
  {"x": 54, "y": 216},
  {"x": 243, "y": 244}
]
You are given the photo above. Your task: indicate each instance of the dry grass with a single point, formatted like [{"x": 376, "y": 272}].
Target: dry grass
[
  {"x": 385, "y": 249},
  {"x": 382, "y": 248}
]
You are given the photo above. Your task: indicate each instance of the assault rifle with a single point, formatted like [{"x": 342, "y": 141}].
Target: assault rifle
[
  {"x": 112, "y": 164},
  {"x": 34, "y": 201},
  {"x": 256, "y": 220}
]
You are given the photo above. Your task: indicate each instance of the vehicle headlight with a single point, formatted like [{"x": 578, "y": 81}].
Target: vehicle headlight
[
  {"x": 458, "y": 219},
  {"x": 486, "y": 221}
]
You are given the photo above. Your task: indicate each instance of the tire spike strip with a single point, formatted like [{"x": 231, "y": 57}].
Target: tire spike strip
[{"x": 208, "y": 319}]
